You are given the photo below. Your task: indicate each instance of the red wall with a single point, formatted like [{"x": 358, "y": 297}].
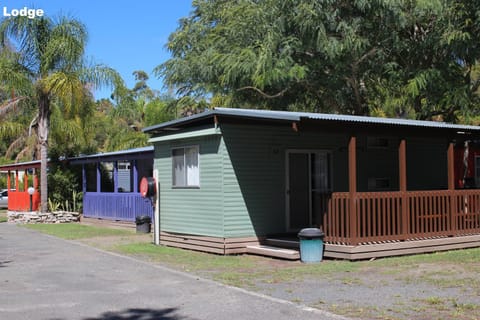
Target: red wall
[{"x": 20, "y": 201}]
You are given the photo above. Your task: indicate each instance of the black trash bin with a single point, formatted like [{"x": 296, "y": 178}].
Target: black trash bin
[
  {"x": 143, "y": 224},
  {"x": 311, "y": 245}
]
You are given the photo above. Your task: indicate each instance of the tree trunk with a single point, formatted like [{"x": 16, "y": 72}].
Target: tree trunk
[{"x": 43, "y": 127}]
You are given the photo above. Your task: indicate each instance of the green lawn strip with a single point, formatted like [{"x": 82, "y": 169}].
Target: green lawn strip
[
  {"x": 242, "y": 271},
  {"x": 74, "y": 231}
]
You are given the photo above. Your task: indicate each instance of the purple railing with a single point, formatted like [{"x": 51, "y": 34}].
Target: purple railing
[{"x": 116, "y": 206}]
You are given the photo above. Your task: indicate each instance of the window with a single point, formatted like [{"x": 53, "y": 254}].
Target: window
[
  {"x": 185, "y": 169},
  {"x": 377, "y": 143},
  {"x": 376, "y": 184},
  {"x": 320, "y": 174},
  {"x": 125, "y": 176}
]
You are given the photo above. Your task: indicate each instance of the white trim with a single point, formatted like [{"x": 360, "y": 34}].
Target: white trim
[
  {"x": 184, "y": 135},
  {"x": 156, "y": 220}
]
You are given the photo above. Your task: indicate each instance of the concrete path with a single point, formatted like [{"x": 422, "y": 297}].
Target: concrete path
[{"x": 42, "y": 277}]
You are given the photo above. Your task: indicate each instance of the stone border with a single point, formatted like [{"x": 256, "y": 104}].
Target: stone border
[{"x": 38, "y": 217}]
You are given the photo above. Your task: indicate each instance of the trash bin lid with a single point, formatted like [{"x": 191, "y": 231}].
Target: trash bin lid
[
  {"x": 142, "y": 219},
  {"x": 311, "y": 233}
]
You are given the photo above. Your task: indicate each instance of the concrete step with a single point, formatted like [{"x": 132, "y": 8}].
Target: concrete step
[{"x": 275, "y": 252}]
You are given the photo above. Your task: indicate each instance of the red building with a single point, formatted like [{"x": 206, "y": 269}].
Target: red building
[{"x": 18, "y": 196}]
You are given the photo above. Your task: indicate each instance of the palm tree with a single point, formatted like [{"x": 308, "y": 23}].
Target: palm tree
[{"x": 51, "y": 53}]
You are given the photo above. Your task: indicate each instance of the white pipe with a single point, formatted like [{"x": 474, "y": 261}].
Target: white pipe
[{"x": 156, "y": 230}]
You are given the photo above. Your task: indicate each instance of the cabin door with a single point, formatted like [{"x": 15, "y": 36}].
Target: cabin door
[{"x": 308, "y": 180}]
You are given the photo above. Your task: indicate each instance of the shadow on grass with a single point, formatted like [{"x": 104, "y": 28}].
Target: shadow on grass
[{"x": 141, "y": 314}]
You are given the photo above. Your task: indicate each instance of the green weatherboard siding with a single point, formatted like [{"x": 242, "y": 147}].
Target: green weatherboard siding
[{"x": 197, "y": 211}]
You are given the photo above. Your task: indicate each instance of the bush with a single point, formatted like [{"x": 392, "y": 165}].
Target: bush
[{"x": 64, "y": 189}]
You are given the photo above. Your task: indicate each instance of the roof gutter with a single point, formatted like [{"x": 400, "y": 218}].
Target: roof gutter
[{"x": 191, "y": 134}]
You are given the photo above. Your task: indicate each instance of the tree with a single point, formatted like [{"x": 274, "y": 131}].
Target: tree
[
  {"x": 308, "y": 54},
  {"x": 396, "y": 58},
  {"x": 51, "y": 53}
]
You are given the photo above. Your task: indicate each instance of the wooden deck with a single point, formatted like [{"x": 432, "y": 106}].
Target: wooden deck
[
  {"x": 379, "y": 250},
  {"x": 389, "y": 249}
]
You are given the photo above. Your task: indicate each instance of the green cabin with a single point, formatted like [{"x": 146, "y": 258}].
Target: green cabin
[{"x": 229, "y": 179}]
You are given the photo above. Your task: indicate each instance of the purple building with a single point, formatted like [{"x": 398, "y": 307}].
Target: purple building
[{"x": 110, "y": 184}]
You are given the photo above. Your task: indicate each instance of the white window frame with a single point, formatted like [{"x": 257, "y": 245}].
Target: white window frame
[{"x": 190, "y": 179}]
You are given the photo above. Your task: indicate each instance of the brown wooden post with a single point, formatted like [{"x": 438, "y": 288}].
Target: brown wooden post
[
  {"x": 352, "y": 188},
  {"x": 451, "y": 188},
  {"x": 451, "y": 167},
  {"x": 402, "y": 177}
]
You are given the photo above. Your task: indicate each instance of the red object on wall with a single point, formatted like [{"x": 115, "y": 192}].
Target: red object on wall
[
  {"x": 148, "y": 187},
  {"x": 465, "y": 176}
]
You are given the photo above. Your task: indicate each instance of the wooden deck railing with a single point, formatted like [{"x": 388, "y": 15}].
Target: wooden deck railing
[{"x": 396, "y": 216}]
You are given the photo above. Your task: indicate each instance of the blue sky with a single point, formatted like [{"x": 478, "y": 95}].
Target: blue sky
[{"x": 125, "y": 35}]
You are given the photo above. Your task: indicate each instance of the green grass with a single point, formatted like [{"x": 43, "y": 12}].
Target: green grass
[
  {"x": 72, "y": 231},
  {"x": 242, "y": 271}
]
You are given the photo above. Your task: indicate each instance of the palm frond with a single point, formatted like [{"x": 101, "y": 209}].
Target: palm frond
[
  {"x": 11, "y": 129},
  {"x": 9, "y": 106},
  {"x": 100, "y": 76},
  {"x": 65, "y": 86},
  {"x": 15, "y": 145}
]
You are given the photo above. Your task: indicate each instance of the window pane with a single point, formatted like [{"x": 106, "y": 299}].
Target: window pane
[
  {"x": 91, "y": 173},
  {"x": 191, "y": 159},
  {"x": 125, "y": 173},
  {"x": 178, "y": 167},
  {"x": 321, "y": 172},
  {"x": 106, "y": 171}
]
